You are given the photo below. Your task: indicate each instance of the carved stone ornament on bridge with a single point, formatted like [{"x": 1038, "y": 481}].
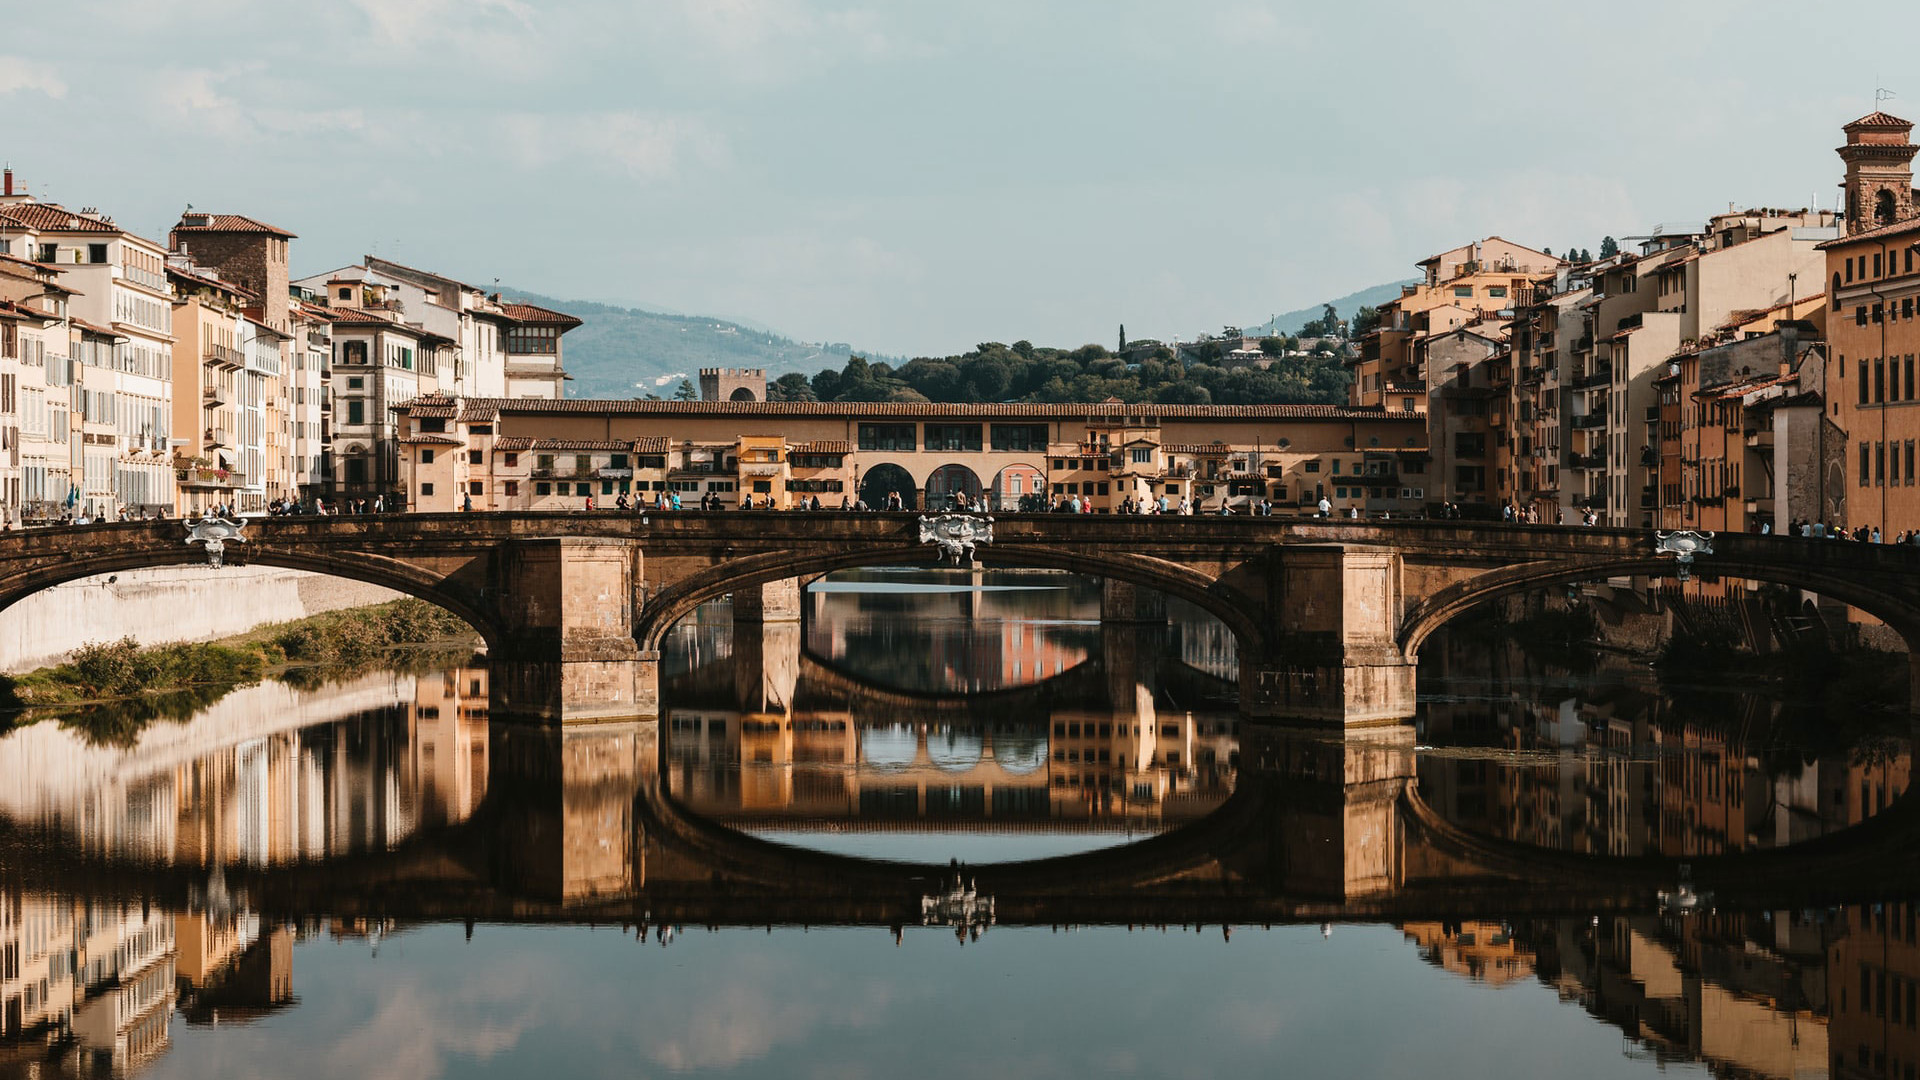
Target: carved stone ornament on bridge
[
  {"x": 215, "y": 533},
  {"x": 956, "y": 535},
  {"x": 961, "y": 906},
  {"x": 1683, "y": 546}
]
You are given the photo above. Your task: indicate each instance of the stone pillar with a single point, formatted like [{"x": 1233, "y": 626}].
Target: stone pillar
[
  {"x": 1335, "y": 804},
  {"x": 1123, "y": 601},
  {"x": 569, "y": 653},
  {"x": 565, "y": 795},
  {"x": 1333, "y": 657},
  {"x": 776, "y": 601}
]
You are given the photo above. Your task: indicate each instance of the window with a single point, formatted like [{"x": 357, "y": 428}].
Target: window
[
  {"x": 1879, "y": 464},
  {"x": 1909, "y": 456},
  {"x": 1141, "y": 455},
  {"x": 474, "y": 457},
  {"x": 426, "y": 456},
  {"x": 583, "y": 488},
  {"x": 1463, "y": 290},
  {"x": 1311, "y": 466},
  {"x": 582, "y": 463},
  {"x": 356, "y": 412},
  {"x": 1866, "y": 464},
  {"x": 437, "y": 425},
  {"x": 1863, "y": 380},
  {"x": 511, "y": 488},
  {"x": 887, "y": 437},
  {"x": 1470, "y": 477},
  {"x": 1879, "y": 381},
  {"x": 1860, "y": 315},
  {"x": 510, "y": 460},
  {"x": 475, "y": 487},
  {"x": 96, "y": 253},
  {"x": 763, "y": 487},
  {"x": 543, "y": 489},
  {"x": 358, "y": 382},
  {"x": 1028, "y": 438},
  {"x": 617, "y": 461},
  {"x": 1466, "y": 444},
  {"x": 953, "y": 436},
  {"x": 346, "y": 293},
  {"x": 1498, "y": 292},
  {"x": 426, "y": 489}
]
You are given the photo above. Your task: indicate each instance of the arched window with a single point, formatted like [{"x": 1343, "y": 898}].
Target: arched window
[
  {"x": 743, "y": 394},
  {"x": 1883, "y": 208}
]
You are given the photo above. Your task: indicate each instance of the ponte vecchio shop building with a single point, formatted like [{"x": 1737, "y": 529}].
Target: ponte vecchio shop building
[{"x": 525, "y": 454}]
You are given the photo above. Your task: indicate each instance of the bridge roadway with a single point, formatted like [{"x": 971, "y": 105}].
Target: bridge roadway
[
  {"x": 579, "y": 824},
  {"x": 1329, "y": 615}
]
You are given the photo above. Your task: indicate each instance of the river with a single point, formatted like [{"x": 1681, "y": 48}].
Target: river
[{"x": 951, "y": 824}]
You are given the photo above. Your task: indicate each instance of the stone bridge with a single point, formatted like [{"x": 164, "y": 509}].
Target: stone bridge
[{"x": 1329, "y": 615}]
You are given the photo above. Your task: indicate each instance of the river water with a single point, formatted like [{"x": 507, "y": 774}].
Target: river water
[{"x": 954, "y": 824}]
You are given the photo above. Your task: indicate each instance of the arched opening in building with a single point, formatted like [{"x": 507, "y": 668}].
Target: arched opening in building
[
  {"x": 948, "y": 484},
  {"x": 1020, "y": 487},
  {"x": 1883, "y": 208},
  {"x": 743, "y": 394},
  {"x": 888, "y": 479}
]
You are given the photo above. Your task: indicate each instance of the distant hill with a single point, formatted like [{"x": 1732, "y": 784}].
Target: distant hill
[
  {"x": 1291, "y": 322},
  {"x": 629, "y": 352}
]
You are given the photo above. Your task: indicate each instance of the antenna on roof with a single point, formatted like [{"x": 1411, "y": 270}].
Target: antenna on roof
[{"x": 1881, "y": 94}]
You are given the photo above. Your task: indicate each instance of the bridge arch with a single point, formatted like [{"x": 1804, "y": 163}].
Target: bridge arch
[
  {"x": 1224, "y": 602},
  {"x": 1446, "y": 604},
  {"x": 887, "y": 478},
  {"x": 16, "y": 584}
]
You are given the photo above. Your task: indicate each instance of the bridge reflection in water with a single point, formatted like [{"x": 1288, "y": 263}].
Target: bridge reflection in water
[{"x": 1549, "y": 847}]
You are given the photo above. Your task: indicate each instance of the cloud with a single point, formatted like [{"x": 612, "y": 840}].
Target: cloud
[
  {"x": 18, "y": 74},
  {"x": 640, "y": 145}
]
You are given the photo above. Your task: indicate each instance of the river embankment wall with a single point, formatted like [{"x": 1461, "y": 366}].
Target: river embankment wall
[{"x": 168, "y": 604}]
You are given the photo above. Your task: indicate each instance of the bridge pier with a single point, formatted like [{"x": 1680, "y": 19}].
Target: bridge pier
[
  {"x": 1333, "y": 657},
  {"x": 569, "y": 654},
  {"x": 1123, "y": 601},
  {"x": 567, "y": 831},
  {"x": 1335, "y": 800}
]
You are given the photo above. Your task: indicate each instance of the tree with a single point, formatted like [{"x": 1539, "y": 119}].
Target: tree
[
  {"x": 1327, "y": 325},
  {"x": 1367, "y": 318},
  {"x": 1273, "y": 346},
  {"x": 1608, "y": 247},
  {"x": 686, "y": 392},
  {"x": 792, "y": 386}
]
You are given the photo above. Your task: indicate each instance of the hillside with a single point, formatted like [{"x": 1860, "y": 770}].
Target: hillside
[
  {"x": 1290, "y": 322},
  {"x": 628, "y": 352}
]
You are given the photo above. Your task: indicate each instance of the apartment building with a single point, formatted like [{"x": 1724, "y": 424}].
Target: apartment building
[
  {"x": 1872, "y": 332},
  {"x": 522, "y": 453}
]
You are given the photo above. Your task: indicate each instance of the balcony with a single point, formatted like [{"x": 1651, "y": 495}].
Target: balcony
[
  {"x": 209, "y": 478},
  {"x": 213, "y": 395},
  {"x": 224, "y": 357},
  {"x": 1587, "y": 461},
  {"x": 1600, "y": 377},
  {"x": 1760, "y": 439},
  {"x": 218, "y": 436},
  {"x": 1653, "y": 414},
  {"x": 1590, "y": 420}
]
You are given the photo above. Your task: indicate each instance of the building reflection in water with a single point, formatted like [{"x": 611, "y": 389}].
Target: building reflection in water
[
  {"x": 267, "y": 775},
  {"x": 1592, "y": 753}
]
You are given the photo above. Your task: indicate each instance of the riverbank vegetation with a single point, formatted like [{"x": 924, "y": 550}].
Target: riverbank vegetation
[{"x": 114, "y": 690}]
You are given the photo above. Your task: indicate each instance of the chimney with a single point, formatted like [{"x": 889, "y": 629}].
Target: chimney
[{"x": 8, "y": 182}]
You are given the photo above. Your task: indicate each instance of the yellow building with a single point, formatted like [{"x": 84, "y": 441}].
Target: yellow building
[{"x": 519, "y": 454}]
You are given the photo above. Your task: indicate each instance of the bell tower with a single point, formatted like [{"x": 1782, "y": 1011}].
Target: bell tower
[{"x": 1879, "y": 182}]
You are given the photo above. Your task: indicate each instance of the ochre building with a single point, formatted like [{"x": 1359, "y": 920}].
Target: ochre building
[{"x": 519, "y": 454}]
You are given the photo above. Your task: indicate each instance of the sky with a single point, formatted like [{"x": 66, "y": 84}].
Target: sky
[{"x": 914, "y": 177}]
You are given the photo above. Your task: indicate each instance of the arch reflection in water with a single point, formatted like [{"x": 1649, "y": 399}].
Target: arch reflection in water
[
  {"x": 993, "y": 708},
  {"x": 1694, "y": 731}
]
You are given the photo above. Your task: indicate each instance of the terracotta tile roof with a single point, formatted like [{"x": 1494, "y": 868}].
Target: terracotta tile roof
[
  {"x": 92, "y": 329},
  {"x": 52, "y": 217},
  {"x": 1083, "y": 411},
  {"x": 434, "y": 412},
  {"x": 231, "y": 223},
  {"x": 479, "y": 414},
  {"x": 429, "y": 440},
  {"x": 358, "y": 317},
  {"x": 651, "y": 444},
  {"x": 1878, "y": 119},
  {"x": 618, "y": 445},
  {"x": 208, "y": 277},
  {"x": 1895, "y": 229},
  {"x": 1206, "y": 449},
  {"x": 528, "y": 313},
  {"x": 513, "y": 442},
  {"x": 829, "y": 446}
]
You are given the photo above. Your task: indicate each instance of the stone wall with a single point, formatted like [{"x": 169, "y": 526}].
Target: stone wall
[{"x": 166, "y": 605}]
